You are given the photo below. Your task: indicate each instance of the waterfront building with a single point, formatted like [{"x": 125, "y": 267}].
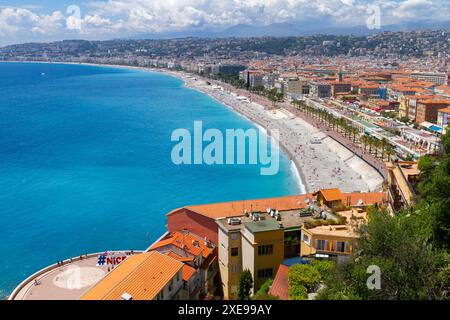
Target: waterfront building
[
  {"x": 227, "y": 69},
  {"x": 199, "y": 258},
  {"x": 255, "y": 79},
  {"x": 146, "y": 276}
]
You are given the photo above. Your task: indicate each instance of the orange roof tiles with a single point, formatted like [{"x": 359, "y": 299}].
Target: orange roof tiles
[
  {"x": 237, "y": 208},
  {"x": 188, "y": 272},
  {"x": 178, "y": 257},
  {"x": 434, "y": 102},
  {"x": 368, "y": 198},
  {"x": 185, "y": 241},
  {"x": 331, "y": 194},
  {"x": 445, "y": 110},
  {"x": 280, "y": 285},
  {"x": 142, "y": 276}
]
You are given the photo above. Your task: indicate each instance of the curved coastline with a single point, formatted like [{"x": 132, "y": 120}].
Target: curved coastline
[
  {"x": 319, "y": 168},
  {"x": 299, "y": 175}
]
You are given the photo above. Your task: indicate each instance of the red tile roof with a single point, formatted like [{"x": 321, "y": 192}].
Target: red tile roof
[
  {"x": 188, "y": 272},
  {"x": 280, "y": 285},
  {"x": 237, "y": 208},
  {"x": 331, "y": 194},
  {"x": 190, "y": 243}
]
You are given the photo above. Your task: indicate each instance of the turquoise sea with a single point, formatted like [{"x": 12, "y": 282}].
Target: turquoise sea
[{"x": 85, "y": 162}]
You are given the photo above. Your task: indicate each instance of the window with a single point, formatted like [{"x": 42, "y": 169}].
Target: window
[
  {"x": 321, "y": 244},
  {"x": 234, "y": 268},
  {"x": 265, "y": 273},
  {"x": 340, "y": 246},
  {"x": 265, "y": 250},
  {"x": 234, "y": 236},
  {"x": 234, "y": 252},
  {"x": 306, "y": 239}
]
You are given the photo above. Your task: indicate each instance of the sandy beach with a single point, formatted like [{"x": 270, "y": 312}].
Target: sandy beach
[{"x": 321, "y": 161}]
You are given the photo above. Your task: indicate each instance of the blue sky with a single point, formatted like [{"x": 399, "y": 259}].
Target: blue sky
[{"x": 27, "y": 20}]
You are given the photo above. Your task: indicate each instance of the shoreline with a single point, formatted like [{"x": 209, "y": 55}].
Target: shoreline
[
  {"x": 299, "y": 177},
  {"x": 317, "y": 166}
]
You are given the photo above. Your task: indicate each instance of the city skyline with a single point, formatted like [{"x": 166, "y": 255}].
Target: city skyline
[{"x": 24, "y": 21}]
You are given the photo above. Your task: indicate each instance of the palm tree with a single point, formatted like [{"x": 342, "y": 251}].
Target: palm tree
[
  {"x": 383, "y": 143},
  {"x": 377, "y": 144},
  {"x": 389, "y": 151},
  {"x": 371, "y": 142},
  {"x": 364, "y": 140}
]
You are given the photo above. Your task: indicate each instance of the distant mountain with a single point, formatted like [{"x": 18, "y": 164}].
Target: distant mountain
[{"x": 304, "y": 28}]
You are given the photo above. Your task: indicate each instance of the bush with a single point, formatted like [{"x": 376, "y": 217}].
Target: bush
[
  {"x": 324, "y": 267},
  {"x": 298, "y": 293},
  {"x": 263, "y": 292},
  {"x": 304, "y": 275}
]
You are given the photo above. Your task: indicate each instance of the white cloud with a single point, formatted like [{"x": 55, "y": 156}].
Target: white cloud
[{"x": 113, "y": 18}]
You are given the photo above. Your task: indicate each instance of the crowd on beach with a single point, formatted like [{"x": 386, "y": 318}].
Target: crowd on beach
[{"x": 315, "y": 161}]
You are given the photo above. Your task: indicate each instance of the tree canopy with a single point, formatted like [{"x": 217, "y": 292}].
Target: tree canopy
[{"x": 410, "y": 248}]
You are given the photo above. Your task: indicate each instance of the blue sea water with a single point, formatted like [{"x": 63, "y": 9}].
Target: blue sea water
[{"x": 85, "y": 162}]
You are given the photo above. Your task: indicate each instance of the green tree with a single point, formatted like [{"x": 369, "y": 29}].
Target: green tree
[
  {"x": 324, "y": 267},
  {"x": 434, "y": 189},
  {"x": 298, "y": 292},
  {"x": 304, "y": 275},
  {"x": 245, "y": 285},
  {"x": 411, "y": 268},
  {"x": 263, "y": 292}
]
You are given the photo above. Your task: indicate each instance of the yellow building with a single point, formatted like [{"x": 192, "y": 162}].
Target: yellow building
[
  {"x": 328, "y": 241},
  {"x": 403, "y": 108},
  {"x": 244, "y": 244},
  {"x": 330, "y": 198}
]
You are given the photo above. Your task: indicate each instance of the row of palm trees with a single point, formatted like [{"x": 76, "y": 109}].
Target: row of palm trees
[{"x": 380, "y": 148}]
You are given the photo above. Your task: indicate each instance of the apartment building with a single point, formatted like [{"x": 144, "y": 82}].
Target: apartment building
[
  {"x": 320, "y": 89},
  {"x": 228, "y": 69},
  {"x": 336, "y": 241},
  {"x": 443, "y": 119},
  {"x": 427, "y": 110},
  {"x": 199, "y": 258},
  {"x": 338, "y": 87},
  {"x": 438, "y": 78},
  {"x": 254, "y": 243}
]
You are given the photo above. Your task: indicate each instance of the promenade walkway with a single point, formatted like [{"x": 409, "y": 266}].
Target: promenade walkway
[
  {"x": 66, "y": 281},
  {"x": 376, "y": 163}
]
